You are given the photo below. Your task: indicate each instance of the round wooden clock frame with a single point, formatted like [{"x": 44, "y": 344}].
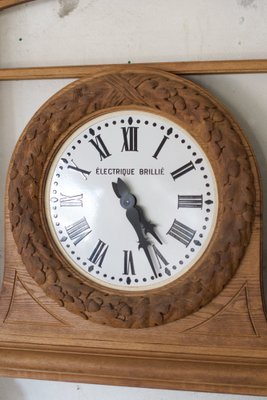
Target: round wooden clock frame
[{"x": 209, "y": 124}]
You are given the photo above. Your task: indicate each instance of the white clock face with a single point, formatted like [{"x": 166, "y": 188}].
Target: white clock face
[{"x": 131, "y": 200}]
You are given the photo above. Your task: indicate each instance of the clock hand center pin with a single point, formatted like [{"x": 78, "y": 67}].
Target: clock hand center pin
[{"x": 128, "y": 200}]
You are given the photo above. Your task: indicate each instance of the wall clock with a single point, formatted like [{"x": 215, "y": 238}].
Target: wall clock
[
  {"x": 133, "y": 203},
  {"x": 127, "y": 157}
]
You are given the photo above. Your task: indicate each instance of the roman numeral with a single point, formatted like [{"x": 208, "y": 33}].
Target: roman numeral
[
  {"x": 188, "y": 201},
  {"x": 99, "y": 252},
  {"x": 99, "y": 145},
  {"x": 181, "y": 232},
  {"x": 74, "y": 167},
  {"x": 128, "y": 263},
  {"x": 129, "y": 138},
  {"x": 160, "y": 258},
  {"x": 162, "y": 143},
  {"x": 182, "y": 170},
  {"x": 78, "y": 230},
  {"x": 71, "y": 201}
]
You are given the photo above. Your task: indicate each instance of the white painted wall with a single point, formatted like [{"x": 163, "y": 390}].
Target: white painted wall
[{"x": 68, "y": 32}]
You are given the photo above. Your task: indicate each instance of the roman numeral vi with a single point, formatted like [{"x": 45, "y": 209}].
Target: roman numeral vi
[{"x": 128, "y": 263}]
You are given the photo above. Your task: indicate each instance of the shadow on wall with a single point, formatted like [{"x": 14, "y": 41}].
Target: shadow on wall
[{"x": 10, "y": 390}]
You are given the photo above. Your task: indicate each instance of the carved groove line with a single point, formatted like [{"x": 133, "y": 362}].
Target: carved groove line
[
  {"x": 204, "y": 119},
  {"x": 225, "y": 308}
]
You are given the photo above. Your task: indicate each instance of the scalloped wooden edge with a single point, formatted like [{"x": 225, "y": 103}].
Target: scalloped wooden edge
[{"x": 202, "y": 272}]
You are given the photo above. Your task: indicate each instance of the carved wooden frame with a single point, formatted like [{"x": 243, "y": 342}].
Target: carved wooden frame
[{"x": 220, "y": 137}]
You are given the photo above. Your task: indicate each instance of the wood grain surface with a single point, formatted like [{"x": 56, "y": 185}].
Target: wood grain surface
[
  {"x": 221, "y": 347},
  {"x": 179, "y": 67},
  {"x": 10, "y": 3},
  {"x": 193, "y": 109}
]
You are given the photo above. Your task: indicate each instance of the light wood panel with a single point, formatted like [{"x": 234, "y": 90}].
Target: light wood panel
[
  {"x": 181, "y": 68},
  {"x": 220, "y": 348},
  {"x": 10, "y": 3}
]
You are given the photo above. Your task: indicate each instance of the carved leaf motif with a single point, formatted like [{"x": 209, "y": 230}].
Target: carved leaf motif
[{"x": 195, "y": 110}]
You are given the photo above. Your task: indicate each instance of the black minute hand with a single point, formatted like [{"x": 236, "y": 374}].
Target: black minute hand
[
  {"x": 134, "y": 215},
  {"x": 147, "y": 225},
  {"x": 127, "y": 200}
]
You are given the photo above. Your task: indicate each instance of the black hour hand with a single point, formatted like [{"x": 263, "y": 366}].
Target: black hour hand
[{"x": 120, "y": 188}]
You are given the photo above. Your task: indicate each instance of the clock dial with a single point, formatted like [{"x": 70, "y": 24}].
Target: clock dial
[{"x": 131, "y": 200}]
